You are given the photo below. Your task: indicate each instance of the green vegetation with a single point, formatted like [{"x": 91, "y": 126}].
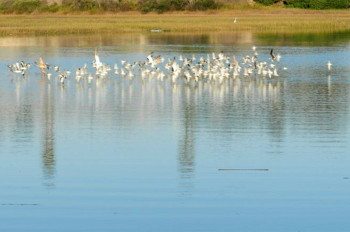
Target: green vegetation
[
  {"x": 128, "y": 16},
  {"x": 267, "y": 2},
  {"x": 97, "y": 6},
  {"x": 177, "y": 5},
  {"x": 159, "y": 6},
  {"x": 20, "y": 6},
  {"x": 311, "y": 4},
  {"x": 278, "y": 21}
]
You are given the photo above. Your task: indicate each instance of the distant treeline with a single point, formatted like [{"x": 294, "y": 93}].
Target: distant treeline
[
  {"x": 95, "y": 6},
  {"x": 310, "y": 4},
  {"x": 29, "y": 6}
]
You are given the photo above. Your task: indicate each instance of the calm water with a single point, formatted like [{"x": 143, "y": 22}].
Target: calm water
[{"x": 132, "y": 155}]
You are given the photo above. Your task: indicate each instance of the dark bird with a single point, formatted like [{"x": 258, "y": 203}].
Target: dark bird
[{"x": 272, "y": 55}]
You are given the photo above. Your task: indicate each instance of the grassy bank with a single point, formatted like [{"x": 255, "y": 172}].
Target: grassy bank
[{"x": 259, "y": 21}]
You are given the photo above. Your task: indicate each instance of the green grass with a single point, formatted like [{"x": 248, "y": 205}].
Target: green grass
[{"x": 258, "y": 21}]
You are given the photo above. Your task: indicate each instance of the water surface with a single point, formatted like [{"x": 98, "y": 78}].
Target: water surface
[{"x": 132, "y": 155}]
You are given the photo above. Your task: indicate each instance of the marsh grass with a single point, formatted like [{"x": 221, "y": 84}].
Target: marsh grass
[{"x": 258, "y": 21}]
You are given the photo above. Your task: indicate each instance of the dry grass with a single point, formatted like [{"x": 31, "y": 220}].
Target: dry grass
[{"x": 260, "y": 21}]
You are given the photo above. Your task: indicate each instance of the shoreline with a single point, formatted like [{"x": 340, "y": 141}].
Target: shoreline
[{"x": 277, "y": 21}]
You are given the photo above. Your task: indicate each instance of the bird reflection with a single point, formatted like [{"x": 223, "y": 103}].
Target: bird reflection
[
  {"x": 227, "y": 105},
  {"x": 48, "y": 137},
  {"x": 329, "y": 85},
  {"x": 187, "y": 144}
]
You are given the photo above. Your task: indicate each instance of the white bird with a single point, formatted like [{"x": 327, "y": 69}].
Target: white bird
[
  {"x": 150, "y": 58},
  {"x": 235, "y": 21},
  {"x": 62, "y": 77},
  {"x": 216, "y": 67},
  {"x": 97, "y": 60},
  {"x": 278, "y": 57},
  {"x": 57, "y": 68},
  {"x": 329, "y": 65}
]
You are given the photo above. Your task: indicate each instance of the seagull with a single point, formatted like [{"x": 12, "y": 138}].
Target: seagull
[
  {"x": 62, "y": 78},
  {"x": 15, "y": 68},
  {"x": 158, "y": 60},
  {"x": 235, "y": 63},
  {"x": 329, "y": 65},
  {"x": 216, "y": 67},
  {"x": 278, "y": 57},
  {"x": 150, "y": 58},
  {"x": 97, "y": 60},
  {"x": 42, "y": 66},
  {"x": 57, "y": 68}
]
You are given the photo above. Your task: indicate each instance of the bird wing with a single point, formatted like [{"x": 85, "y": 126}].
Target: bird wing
[
  {"x": 42, "y": 65},
  {"x": 235, "y": 61},
  {"x": 97, "y": 58}
]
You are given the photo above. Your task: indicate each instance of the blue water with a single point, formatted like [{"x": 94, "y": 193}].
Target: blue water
[{"x": 133, "y": 155}]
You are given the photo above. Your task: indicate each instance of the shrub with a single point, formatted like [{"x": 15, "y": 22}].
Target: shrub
[
  {"x": 19, "y": 6},
  {"x": 267, "y": 2},
  {"x": 176, "y": 5},
  {"x": 110, "y": 5},
  {"x": 312, "y": 4},
  {"x": 50, "y": 8},
  {"x": 126, "y": 5},
  {"x": 337, "y": 4},
  {"x": 318, "y": 4},
  {"x": 147, "y": 5},
  {"x": 5, "y": 5},
  {"x": 298, "y": 3},
  {"x": 204, "y": 5},
  {"x": 83, "y": 5},
  {"x": 26, "y": 6}
]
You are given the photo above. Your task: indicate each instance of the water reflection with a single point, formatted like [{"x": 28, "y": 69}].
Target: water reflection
[
  {"x": 305, "y": 39},
  {"x": 138, "y": 41},
  {"x": 186, "y": 153},
  {"x": 23, "y": 128},
  {"x": 141, "y": 146},
  {"x": 224, "y": 110},
  {"x": 127, "y": 39},
  {"x": 301, "y": 100},
  {"x": 329, "y": 77},
  {"x": 48, "y": 135}
]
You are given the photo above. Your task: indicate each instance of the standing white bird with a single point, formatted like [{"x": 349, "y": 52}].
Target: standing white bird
[
  {"x": 235, "y": 21},
  {"x": 329, "y": 65}
]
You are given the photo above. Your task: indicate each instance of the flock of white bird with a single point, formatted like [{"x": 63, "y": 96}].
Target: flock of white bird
[{"x": 210, "y": 67}]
